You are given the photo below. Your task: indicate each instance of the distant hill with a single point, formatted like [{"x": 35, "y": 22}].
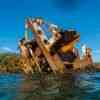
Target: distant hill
[{"x": 9, "y": 62}]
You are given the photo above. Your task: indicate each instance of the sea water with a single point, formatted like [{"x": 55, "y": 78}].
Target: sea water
[{"x": 78, "y": 86}]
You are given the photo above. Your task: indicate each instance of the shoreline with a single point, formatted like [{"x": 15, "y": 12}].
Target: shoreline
[
  {"x": 19, "y": 70},
  {"x": 10, "y": 63}
]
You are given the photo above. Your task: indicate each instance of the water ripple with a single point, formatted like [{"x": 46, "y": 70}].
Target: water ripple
[{"x": 81, "y": 86}]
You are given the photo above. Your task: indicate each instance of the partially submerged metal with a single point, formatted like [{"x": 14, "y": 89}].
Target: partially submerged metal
[{"x": 56, "y": 53}]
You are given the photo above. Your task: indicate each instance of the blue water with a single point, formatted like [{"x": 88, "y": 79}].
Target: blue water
[{"x": 81, "y": 86}]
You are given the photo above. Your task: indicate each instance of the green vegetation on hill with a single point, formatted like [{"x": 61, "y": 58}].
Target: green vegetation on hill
[{"x": 9, "y": 62}]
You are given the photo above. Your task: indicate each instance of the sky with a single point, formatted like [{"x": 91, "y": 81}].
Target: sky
[{"x": 82, "y": 15}]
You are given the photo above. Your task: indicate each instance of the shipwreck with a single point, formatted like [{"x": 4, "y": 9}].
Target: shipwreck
[{"x": 50, "y": 49}]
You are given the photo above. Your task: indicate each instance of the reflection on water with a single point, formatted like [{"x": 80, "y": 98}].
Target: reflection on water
[{"x": 84, "y": 86}]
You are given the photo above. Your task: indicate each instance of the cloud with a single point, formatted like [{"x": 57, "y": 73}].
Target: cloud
[{"x": 6, "y": 49}]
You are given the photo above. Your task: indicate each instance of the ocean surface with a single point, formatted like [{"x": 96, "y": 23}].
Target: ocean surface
[{"x": 77, "y": 86}]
